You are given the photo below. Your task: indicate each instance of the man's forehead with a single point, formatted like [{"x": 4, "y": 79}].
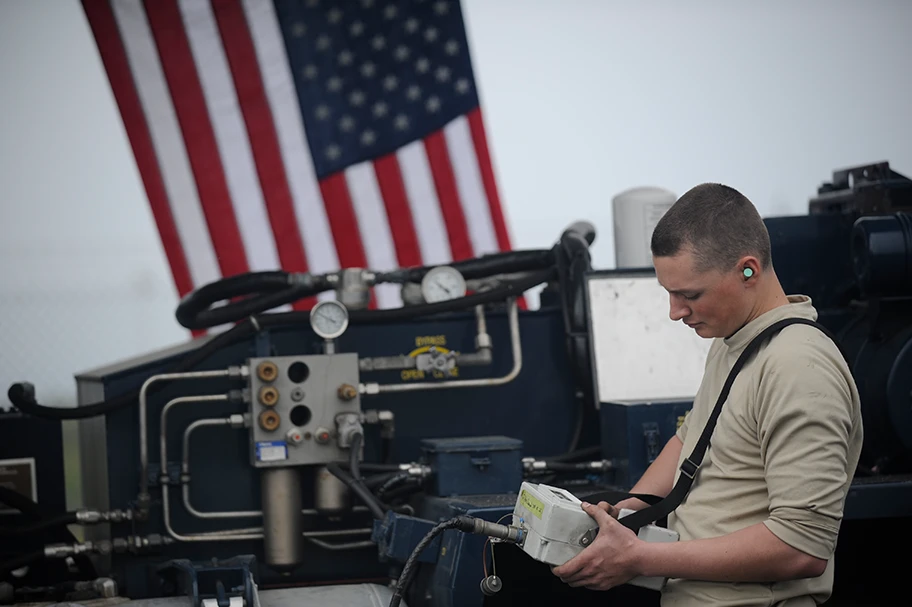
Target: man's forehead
[{"x": 678, "y": 273}]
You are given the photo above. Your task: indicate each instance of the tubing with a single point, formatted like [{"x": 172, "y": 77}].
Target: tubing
[
  {"x": 21, "y": 560},
  {"x": 60, "y": 520},
  {"x": 35, "y": 511},
  {"x": 22, "y": 394},
  {"x": 260, "y": 291},
  {"x": 366, "y": 496}
]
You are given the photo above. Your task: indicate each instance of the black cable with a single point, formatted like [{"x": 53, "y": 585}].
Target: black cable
[
  {"x": 22, "y": 394},
  {"x": 366, "y": 496},
  {"x": 372, "y": 467},
  {"x": 60, "y": 520},
  {"x": 354, "y": 457},
  {"x": 258, "y": 292},
  {"x": 407, "y": 571},
  {"x": 391, "y": 482},
  {"x": 21, "y": 560},
  {"x": 572, "y": 455},
  {"x": 377, "y": 480},
  {"x": 35, "y": 511}
]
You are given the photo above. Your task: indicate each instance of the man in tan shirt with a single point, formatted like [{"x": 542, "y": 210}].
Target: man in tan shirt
[{"x": 760, "y": 522}]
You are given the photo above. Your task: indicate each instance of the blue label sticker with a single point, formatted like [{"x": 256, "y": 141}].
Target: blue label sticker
[{"x": 271, "y": 451}]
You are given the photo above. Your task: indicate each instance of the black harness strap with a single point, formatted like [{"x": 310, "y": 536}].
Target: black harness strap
[{"x": 660, "y": 507}]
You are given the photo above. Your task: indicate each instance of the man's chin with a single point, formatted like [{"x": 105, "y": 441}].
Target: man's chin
[{"x": 701, "y": 329}]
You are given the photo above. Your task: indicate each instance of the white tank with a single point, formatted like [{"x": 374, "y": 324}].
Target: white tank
[{"x": 636, "y": 213}]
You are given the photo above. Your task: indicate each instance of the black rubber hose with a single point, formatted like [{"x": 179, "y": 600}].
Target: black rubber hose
[
  {"x": 260, "y": 291},
  {"x": 36, "y": 512},
  {"x": 354, "y": 453},
  {"x": 507, "y": 289},
  {"x": 572, "y": 455},
  {"x": 378, "y": 479},
  {"x": 60, "y": 520},
  {"x": 391, "y": 482},
  {"x": 366, "y": 496},
  {"x": 22, "y": 394},
  {"x": 408, "y": 569},
  {"x": 508, "y": 262},
  {"x": 372, "y": 467},
  {"x": 21, "y": 560}
]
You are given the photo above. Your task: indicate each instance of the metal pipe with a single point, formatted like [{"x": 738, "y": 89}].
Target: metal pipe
[
  {"x": 185, "y": 475},
  {"x": 516, "y": 346},
  {"x": 144, "y": 498},
  {"x": 249, "y": 533},
  {"x": 224, "y": 535},
  {"x": 342, "y": 545},
  {"x": 185, "y": 479},
  {"x": 481, "y": 355}
]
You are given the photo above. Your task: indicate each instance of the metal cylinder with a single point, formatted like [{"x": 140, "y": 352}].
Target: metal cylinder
[
  {"x": 283, "y": 521},
  {"x": 353, "y": 289},
  {"x": 331, "y": 496}
]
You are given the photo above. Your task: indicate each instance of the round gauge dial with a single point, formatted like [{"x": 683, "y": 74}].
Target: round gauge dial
[
  {"x": 329, "y": 319},
  {"x": 442, "y": 283}
]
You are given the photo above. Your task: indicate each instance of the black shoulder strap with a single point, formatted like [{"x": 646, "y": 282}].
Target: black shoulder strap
[{"x": 692, "y": 463}]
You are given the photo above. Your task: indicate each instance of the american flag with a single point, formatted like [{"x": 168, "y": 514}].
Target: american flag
[{"x": 303, "y": 135}]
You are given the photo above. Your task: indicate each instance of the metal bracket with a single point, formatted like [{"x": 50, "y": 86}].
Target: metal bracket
[
  {"x": 228, "y": 583},
  {"x": 588, "y": 537}
]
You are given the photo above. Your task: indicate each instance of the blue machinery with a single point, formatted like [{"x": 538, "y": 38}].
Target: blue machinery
[{"x": 311, "y": 452}]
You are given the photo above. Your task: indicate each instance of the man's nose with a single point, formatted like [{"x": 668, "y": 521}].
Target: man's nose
[{"x": 678, "y": 310}]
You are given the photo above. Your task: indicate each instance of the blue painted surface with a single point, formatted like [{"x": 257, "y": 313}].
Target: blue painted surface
[
  {"x": 538, "y": 408},
  {"x": 474, "y": 465}
]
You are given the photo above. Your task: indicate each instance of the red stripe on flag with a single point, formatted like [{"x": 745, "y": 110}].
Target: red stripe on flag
[
  {"x": 264, "y": 143},
  {"x": 445, "y": 183},
  {"x": 344, "y": 224},
  {"x": 398, "y": 211},
  {"x": 190, "y": 106},
  {"x": 342, "y": 221},
  {"x": 476, "y": 126},
  {"x": 110, "y": 46}
]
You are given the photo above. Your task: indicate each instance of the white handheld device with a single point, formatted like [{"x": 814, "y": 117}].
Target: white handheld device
[{"x": 556, "y": 528}]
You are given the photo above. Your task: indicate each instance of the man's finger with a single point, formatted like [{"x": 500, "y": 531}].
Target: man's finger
[
  {"x": 570, "y": 568},
  {"x": 610, "y": 509},
  {"x": 600, "y": 516}
]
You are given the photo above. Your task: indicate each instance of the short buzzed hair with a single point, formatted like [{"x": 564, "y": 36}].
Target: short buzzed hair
[{"x": 718, "y": 223}]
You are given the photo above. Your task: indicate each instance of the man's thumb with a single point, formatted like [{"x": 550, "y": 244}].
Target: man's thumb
[{"x": 600, "y": 516}]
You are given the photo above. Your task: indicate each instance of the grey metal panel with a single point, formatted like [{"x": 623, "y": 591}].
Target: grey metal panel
[
  {"x": 318, "y": 393},
  {"x": 93, "y": 465},
  {"x": 342, "y": 595},
  {"x": 143, "y": 359}
]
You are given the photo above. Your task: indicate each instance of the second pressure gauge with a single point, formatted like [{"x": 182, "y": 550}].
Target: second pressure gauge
[
  {"x": 442, "y": 283},
  {"x": 329, "y": 319}
]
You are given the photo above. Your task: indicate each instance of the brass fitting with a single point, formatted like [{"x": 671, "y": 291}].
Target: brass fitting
[
  {"x": 267, "y": 371},
  {"x": 347, "y": 392},
  {"x": 269, "y": 420},
  {"x": 269, "y": 396}
]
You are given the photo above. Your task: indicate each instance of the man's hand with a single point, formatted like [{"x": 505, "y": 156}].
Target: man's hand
[{"x": 608, "y": 561}]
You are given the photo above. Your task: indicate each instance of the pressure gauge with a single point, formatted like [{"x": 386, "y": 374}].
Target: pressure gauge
[
  {"x": 329, "y": 319},
  {"x": 442, "y": 283}
]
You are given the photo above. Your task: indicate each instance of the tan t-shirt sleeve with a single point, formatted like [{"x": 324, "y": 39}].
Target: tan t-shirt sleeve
[
  {"x": 805, "y": 419},
  {"x": 681, "y": 432}
]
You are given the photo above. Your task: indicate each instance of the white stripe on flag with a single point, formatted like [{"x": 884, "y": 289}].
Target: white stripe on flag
[
  {"x": 165, "y": 132},
  {"x": 230, "y": 134},
  {"x": 286, "y": 114},
  {"x": 471, "y": 190},
  {"x": 422, "y": 197},
  {"x": 373, "y": 225}
]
